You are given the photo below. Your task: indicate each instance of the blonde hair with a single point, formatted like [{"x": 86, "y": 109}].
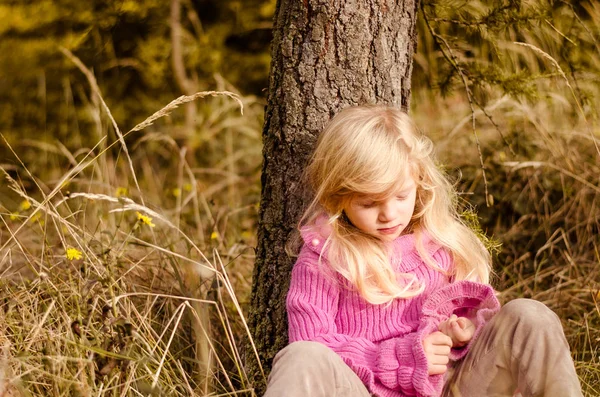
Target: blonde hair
[{"x": 368, "y": 150}]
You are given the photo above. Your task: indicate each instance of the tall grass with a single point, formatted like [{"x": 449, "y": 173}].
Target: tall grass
[
  {"x": 545, "y": 205},
  {"x": 115, "y": 288},
  {"x": 535, "y": 181},
  {"x": 119, "y": 276}
]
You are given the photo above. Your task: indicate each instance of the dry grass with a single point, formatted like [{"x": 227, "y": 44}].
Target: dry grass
[
  {"x": 160, "y": 310},
  {"x": 155, "y": 310},
  {"x": 546, "y": 206},
  {"x": 539, "y": 194},
  {"x": 106, "y": 291}
]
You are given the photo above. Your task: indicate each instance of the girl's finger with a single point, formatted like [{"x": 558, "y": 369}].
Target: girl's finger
[
  {"x": 457, "y": 330},
  {"x": 441, "y": 350},
  {"x": 439, "y": 360},
  {"x": 462, "y": 335},
  {"x": 445, "y": 342},
  {"x": 437, "y": 369},
  {"x": 443, "y": 327},
  {"x": 438, "y": 338},
  {"x": 437, "y": 364}
]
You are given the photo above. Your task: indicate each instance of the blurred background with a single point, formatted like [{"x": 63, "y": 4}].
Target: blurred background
[{"x": 126, "y": 252}]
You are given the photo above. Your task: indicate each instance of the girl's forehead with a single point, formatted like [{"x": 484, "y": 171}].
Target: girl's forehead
[{"x": 402, "y": 186}]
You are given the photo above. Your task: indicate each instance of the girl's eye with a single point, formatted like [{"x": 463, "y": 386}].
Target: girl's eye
[
  {"x": 400, "y": 198},
  {"x": 367, "y": 204}
]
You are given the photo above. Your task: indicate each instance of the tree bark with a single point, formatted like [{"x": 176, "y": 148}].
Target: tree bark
[{"x": 326, "y": 55}]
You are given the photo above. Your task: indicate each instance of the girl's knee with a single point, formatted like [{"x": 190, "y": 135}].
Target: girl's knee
[
  {"x": 315, "y": 351},
  {"x": 529, "y": 312},
  {"x": 307, "y": 362},
  {"x": 311, "y": 368}
]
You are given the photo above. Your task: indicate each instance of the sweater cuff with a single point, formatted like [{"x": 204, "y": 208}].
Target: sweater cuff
[
  {"x": 481, "y": 319},
  {"x": 402, "y": 365},
  {"x": 388, "y": 364},
  {"x": 465, "y": 297}
]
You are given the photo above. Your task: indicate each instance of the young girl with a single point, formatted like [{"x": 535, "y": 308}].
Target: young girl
[{"x": 390, "y": 295}]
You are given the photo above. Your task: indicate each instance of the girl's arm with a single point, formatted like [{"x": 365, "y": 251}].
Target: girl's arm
[{"x": 398, "y": 364}]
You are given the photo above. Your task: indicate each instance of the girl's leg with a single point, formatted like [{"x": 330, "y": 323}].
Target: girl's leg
[
  {"x": 311, "y": 369},
  {"x": 522, "y": 348}
]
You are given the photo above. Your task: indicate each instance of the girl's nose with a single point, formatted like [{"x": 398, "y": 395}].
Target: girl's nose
[{"x": 387, "y": 211}]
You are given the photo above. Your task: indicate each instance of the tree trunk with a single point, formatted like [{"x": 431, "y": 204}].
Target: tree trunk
[{"x": 326, "y": 55}]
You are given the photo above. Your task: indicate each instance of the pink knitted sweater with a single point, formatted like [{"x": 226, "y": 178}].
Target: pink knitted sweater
[{"x": 383, "y": 343}]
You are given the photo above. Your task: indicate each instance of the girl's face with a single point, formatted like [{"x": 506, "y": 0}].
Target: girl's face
[{"x": 385, "y": 219}]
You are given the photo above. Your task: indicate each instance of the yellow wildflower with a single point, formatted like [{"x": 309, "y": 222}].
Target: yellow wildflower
[
  {"x": 146, "y": 220},
  {"x": 187, "y": 187},
  {"x": 25, "y": 205},
  {"x": 121, "y": 191},
  {"x": 36, "y": 217},
  {"x": 214, "y": 235},
  {"x": 14, "y": 216},
  {"x": 176, "y": 192},
  {"x": 73, "y": 254}
]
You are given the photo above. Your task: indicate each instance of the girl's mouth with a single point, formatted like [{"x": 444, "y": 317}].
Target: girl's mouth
[{"x": 389, "y": 230}]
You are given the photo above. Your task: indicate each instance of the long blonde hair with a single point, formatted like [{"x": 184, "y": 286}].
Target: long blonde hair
[{"x": 367, "y": 150}]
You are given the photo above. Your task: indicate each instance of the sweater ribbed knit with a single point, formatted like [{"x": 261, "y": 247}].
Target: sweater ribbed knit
[{"x": 383, "y": 343}]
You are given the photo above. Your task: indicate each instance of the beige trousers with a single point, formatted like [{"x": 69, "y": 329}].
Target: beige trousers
[{"x": 522, "y": 348}]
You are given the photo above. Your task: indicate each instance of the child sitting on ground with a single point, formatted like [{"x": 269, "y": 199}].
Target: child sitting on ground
[{"x": 389, "y": 295}]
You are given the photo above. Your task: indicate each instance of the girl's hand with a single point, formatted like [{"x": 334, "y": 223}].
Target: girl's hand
[
  {"x": 460, "y": 329},
  {"x": 437, "y": 349}
]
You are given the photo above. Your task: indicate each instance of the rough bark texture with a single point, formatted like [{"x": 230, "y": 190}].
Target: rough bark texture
[{"x": 327, "y": 55}]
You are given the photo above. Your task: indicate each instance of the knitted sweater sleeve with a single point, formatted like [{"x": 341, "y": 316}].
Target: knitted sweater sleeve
[
  {"x": 398, "y": 364},
  {"x": 463, "y": 298}
]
